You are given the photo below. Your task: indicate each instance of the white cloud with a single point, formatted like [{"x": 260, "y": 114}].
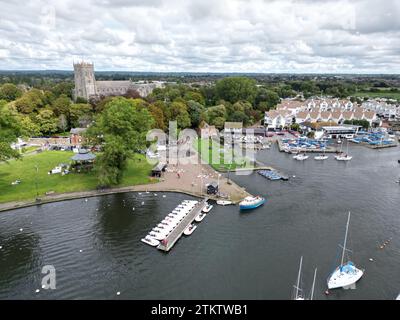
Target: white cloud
[{"x": 203, "y": 35}]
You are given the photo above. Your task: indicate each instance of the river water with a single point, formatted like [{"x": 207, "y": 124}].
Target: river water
[{"x": 95, "y": 246}]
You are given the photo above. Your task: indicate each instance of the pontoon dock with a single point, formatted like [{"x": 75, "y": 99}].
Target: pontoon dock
[{"x": 171, "y": 239}]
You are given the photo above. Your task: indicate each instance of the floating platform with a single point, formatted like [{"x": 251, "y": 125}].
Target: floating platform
[
  {"x": 273, "y": 175},
  {"x": 173, "y": 237}
]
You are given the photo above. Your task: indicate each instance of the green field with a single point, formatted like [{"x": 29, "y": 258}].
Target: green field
[
  {"x": 137, "y": 173},
  {"x": 216, "y": 157},
  {"x": 387, "y": 95}
]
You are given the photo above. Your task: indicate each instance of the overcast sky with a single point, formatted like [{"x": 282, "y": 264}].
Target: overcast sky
[{"x": 358, "y": 36}]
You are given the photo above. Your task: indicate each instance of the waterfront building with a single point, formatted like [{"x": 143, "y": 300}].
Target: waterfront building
[{"x": 342, "y": 131}]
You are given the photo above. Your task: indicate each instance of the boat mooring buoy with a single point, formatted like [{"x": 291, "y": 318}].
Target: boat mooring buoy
[{"x": 118, "y": 293}]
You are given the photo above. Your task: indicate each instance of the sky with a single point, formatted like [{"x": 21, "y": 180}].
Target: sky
[{"x": 262, "y": 36}]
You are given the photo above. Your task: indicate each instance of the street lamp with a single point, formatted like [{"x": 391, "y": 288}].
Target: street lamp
[{"x": 36, "y": 182}]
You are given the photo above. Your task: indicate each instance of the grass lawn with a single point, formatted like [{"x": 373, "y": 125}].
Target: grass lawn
[
  {"x": 388, "y": 94},
  {"x": 137, "y": 173},
  {"x": 216, "y": 157},
  {"x": 29, "y": 149}
]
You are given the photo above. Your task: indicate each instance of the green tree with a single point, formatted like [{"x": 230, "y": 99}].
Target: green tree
[
  {"x": 178, "y": 111},
  {"x": 80, "y": 114},
  {"x": 30, "y": 128},
  {"x": 212, "y": 113},
  {"x": 195, "y": 110},
  {"x": 266, "y": 99},
  {"x": 30, "y": 101},
  {"x": 10, "y": 130},
  {"x": 233, "y": 89},
  {"x": 194, "y": 96},
  {"x": 47, "y": 121},
  {"x": 158, "y": 115},
  {"x": 61, "y": 105},
  {"x": 63, "y": 88},
  {"x": 218, "y": 122},
  {"x": 9, "y": 92},
  {"x": 121, "y": 130},
  {"x": 112, "y": 162}
]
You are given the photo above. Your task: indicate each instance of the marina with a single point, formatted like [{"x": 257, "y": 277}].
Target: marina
[
  {"x": 304, "y": 144},
  {"x": 108, "y": 233},
  {"x": 374, "y": 140}
]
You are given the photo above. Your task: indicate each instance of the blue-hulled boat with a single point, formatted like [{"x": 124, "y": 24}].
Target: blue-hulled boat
[{"x": 251, "y": 203}]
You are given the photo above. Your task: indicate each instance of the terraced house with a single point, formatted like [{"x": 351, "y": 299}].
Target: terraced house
[{"x": 318, "y": 110}]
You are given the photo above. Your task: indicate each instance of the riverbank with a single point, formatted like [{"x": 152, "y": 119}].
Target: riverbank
[
  {"x": 32, "y": 172},
  {"x": 190, "y": 178}
]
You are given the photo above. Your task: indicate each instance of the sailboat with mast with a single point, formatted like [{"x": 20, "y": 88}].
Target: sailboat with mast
[
  {"x": 344, "y": 157},
  {"x": 298, "y": 292},
  {"x": 321, "y": 156},
  {"x": 346, "y": 274}
]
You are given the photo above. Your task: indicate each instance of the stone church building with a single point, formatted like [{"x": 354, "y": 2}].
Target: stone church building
[{"x": 87, "y": 87}]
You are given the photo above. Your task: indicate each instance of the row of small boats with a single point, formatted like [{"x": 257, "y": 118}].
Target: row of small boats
[
  {"x": 172, "y": 220},
  {"x": 189, "y": 230},
  {"x": 339, "y": 157},
  {"x": 169, "y": 223}
]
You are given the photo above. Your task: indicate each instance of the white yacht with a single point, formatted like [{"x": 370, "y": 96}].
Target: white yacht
[
  {"x": 224, "y": 202},
  {"x": 343, "y": 157},
  {"x": 346, "y": 274},
  {"x": 207, "y": 208},
  {"x": 200, "y": 217},
  {"x": 300, "y": 157},
  {"x": 189, "y": 230}
]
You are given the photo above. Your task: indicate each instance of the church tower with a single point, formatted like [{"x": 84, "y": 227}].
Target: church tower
[{"x": 85, "y": 83}]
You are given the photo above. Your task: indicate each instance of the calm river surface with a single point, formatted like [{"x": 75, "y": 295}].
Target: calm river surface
[{"x": 231, "y": 255}]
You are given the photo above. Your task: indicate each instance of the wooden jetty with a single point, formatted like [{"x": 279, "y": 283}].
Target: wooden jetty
[{"x": 173, "y": 237}]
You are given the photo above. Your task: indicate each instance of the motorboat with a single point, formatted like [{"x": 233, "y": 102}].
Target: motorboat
[
  {"x": 150, "y": 241},
  {"x": 200, "y": 217},
  {"x": 343, "y": 157},
  {"x": 224, "y": 202},
  {"x": 321, "y": 157},
  {"x": 346, "y": 274},
  {"x": 207, "y": 208},
  {"x": 300, "y": 157},
  {"x": 398, "y": 297},
  {"x": 189, "y": 230},
  {"x": 251, "y": 202}
]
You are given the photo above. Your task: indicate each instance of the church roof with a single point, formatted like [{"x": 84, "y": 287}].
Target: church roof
[{"x": 113, "y": 84}]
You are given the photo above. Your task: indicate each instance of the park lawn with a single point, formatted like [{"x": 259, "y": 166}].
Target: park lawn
[
  {"x": 387, "y": 95},
  {"x": 220, "y": 163},
  {"x": 29, "y": 149},
  {"x": 138, "y": 172}
]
